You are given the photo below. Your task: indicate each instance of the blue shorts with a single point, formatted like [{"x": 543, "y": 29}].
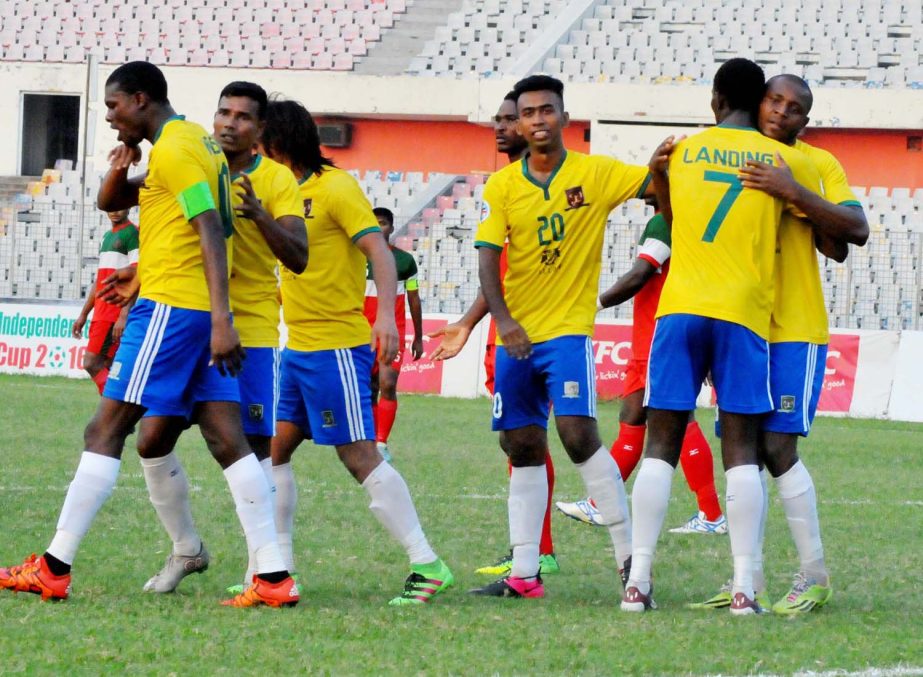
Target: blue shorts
[
  {"x": 687, "y": 347},
  {"x": 796, "y": 375},
  {"x": 162, "y": 362},
  {"x": 259, "y": 391},
  {"x": 327, "y": 393},
  {"x": 561, "y": 370}
]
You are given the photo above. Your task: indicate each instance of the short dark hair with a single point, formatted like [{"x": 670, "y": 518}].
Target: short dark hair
[
  {"x": 539, "y": 83},
  {"x": 511, "y": 96},
  {"x": 290, "y": 131},
  {"x": 742, "y": 83},
  {"x": 799, "y": 82},
  {"x": 385, "y": 213},
  {"x": 250, "y": 90},
  {"x": 140, "y": 76}
]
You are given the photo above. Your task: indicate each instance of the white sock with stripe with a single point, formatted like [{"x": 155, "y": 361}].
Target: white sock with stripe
[
  {"x": 168, "y": 489},
  {"x": 254, "y": 509},
  {"x": 92, "y": 485},
  {"x": 393, "y": 506},
  {"x": 799, "y": 499}
]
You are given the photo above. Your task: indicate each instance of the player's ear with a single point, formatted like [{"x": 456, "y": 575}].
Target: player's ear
[{"x": 565, "y": 119}]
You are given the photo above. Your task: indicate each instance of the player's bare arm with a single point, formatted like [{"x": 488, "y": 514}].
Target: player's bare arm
[
  {"x": 117, "y": 191},
  {"x": 121, "y": 287},
  {"x": 514, "y": 337},
  {"x": 384, "y": 331},
  {"x": 227, "y": 353},
  {"x": 287, "y": 236},
  {"x": 77, "y": 327},
  {"x": 455, "y": 334},
  {"x": 416, "y": 316},
  {"x": 845, "y": 222},
  {"x": 660, "y": 185},
  {"x": 119, "y": 327},
  {"x": 831, "y": 247},
  {"x": 628, "y": 284}
]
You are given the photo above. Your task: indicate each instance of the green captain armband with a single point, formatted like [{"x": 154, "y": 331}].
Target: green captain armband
[
  {"x": 195, "y": 200},
  {"x": 412, "y": 284}
]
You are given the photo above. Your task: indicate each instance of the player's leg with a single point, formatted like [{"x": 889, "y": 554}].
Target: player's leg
[
  {"x": 101, "y": 348},
  {"x": 699, "y": 470},
  {"x": 387, "y": 402}
]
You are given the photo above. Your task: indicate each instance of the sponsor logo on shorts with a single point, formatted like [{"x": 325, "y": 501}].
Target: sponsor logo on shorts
[
  {"x": 114, "y": 371},
  {"x": 571, "y": 389},
  {"x": 329, "y": 420},
  {"x": 255, "y": 411},
  {"x": 787, "y": 404}
]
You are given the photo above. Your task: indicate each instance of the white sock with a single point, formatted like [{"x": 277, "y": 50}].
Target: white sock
[
  {"x": 266, "y": 465},
  {"x": 286, "y": 501},
  {"x": 254, "y": 509},
  {"x": 604, "y": 484},
  {"x": 92, "y": 484},
  {"x": 759, "y": 578},
  {"x": 649, "y": 499},
  {"x": 168, "y": 489},
  {"x": 393, "y": 506},
  {"x": 526, "y": 505},
  {"x": 796, "y": 489},
  {"x": 744, "y": 508}
]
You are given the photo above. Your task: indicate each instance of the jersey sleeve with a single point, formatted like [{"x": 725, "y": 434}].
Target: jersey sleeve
[
  {"x": 286, "y": 196},
  {"x": 621, "y": 182},
  {"x": 654, "y": 246},
  {"x": 491, "y": 231},
  {"x": 409, "y": 273},
  {"x": 131, "y": 245},
  {"x": 188, "y": 174},
  {"x": 833, "y": 178},
  {"x": 351, "y": 209}
]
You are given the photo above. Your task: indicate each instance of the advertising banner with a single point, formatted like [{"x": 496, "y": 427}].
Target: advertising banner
[{"x": 36, "y": 339}]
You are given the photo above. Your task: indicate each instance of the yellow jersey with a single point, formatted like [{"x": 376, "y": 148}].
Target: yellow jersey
[
  {"x": 254, "y": 287},
  {"x": 187, "y": 176},
  {"x": 322, "y": 307},
  {"x": 798, "y": 312},
  {"x": 555, "y": 232},
  {"x": 724, "y": 235}
]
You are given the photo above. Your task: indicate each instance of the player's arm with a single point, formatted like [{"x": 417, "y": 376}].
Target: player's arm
[
  {"x": 831, "y": 247},
  {"x": 628, "y": 284},
  {"x": 514, "y": 337},
  {"x": 455, "y": 334},
  {"x": 286, "y": 236},
  {"x": 416, "y": 316},
  {"x": 384, "y": 332},
  {"x": 117, "y": 191},
  {"x": 843, "y": 222},
  {"x": 77, "y": 327},
  {"x": 119, "y": 327},
  {"x": 660, "y": 185}
]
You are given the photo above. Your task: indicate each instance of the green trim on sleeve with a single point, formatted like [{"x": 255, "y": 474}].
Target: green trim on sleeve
[
  {"x": 644, "y": 185},
  {"x": 366, "y": 231},
  {"x": 489, "y": 245},
  {"x": 851, "y": 203},
  {"x": 196, "y": 199}
]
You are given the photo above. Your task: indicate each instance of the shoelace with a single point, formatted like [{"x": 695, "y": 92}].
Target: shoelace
[
  {"x": 30, "y": 565},
  {"x": 799, "y": 585}
]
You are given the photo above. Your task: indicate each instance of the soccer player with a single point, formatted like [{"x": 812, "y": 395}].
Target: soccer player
[
  {"x": 118, "y": 249},
  {"x": 798, "y": 333},
  {"x": 455, "y": 335},
  {"x": 327, "y": 362},
  {"x": 384, "y": 377},
  {"x": 179, "y": 346},
  {"x": 644, "y": 282},
  {"x": 268, "y": 225},
  {"x": 552, "y": 208},
  {"x": 714, "y": 315}
]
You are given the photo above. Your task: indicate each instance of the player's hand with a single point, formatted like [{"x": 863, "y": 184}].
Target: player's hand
[
  {"x": 119, "y": 327},
  {"x": 454, "y": 337},
  {"x": 416, "y": 348},
  {"x": 774, "y": 180},
  {"x": 120, "y": 287},
  {"x": 122, "y": 157},
  {"x": 227, "y": 353},
  {"x": 77, "y": 327},
  {"x": 660, "y": 160},
  {"x": 250, "y": 206},
  {"x": 385, "y": 341},
  {"x": 515, "y": 339}
]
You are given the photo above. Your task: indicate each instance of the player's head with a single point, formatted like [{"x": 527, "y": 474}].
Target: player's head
[
  {"x": 509, "y": 140},
  {"x": 738, "y": 86},
  {"x": 290, "y": 137},
  {"x": 117, "y": 216},
  {"x": 238, "y": 121},
  {"x": 135, "y": 93},
  {"x": 785, "y": 107},
  {"x": 385, "y": 221},
  {"x": 540, "y": 102}
]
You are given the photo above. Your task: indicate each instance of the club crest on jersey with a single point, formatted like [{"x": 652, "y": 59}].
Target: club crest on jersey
[
  {"x": 255, "y": 411},
  {"x": 787, "y": 404},
  {"x": 329, "y": 420},
  {"x": 307, "y": 208},
  {"x": 485, "y": 211},
  {"x": 550, "y": 257},
  {"x": 575, "y": 198}
]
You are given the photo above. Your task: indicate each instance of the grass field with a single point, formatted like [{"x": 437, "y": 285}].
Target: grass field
[{"x": 868, "y": 475}]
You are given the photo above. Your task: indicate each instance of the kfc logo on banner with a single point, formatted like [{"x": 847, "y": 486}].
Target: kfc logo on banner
[
  {"x": 611, "y": 352},
  {"x": 424, "y": 375},
  {"x": 840, "y": 375}
]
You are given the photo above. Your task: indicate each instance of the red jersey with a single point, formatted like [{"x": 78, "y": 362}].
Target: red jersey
[
  {"x": 118, "y": 249},
  {"x": 653, "y": 247}
]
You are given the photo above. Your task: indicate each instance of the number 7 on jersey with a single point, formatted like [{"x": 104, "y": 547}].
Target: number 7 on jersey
[{"x": 724, "y": 206}]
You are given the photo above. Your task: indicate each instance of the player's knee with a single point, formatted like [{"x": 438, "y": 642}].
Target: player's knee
[
  {"x": 779, "y": 452},
  {"x": 580, "y": 438},
  {"x": 93, "y": 363},
  {"x": 226, "y": 446}
]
